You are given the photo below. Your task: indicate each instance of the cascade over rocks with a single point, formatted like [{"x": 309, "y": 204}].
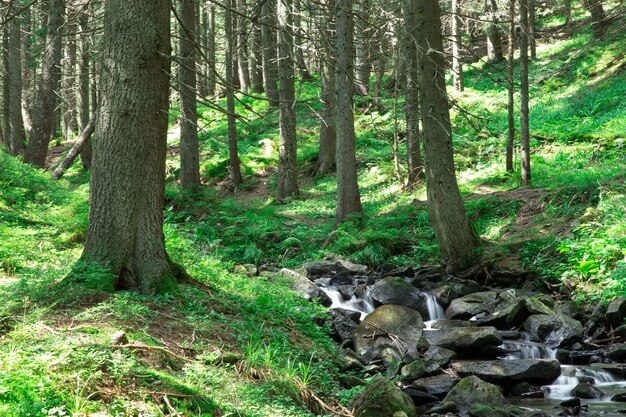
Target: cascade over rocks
[{"x": 395, "y": 290}]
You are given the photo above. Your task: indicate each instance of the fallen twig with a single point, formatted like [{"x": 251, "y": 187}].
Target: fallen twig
[{"x": 148, "y": 347}]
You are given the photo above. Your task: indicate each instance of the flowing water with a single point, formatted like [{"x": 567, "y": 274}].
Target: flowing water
[{"x": 363, "y": 305}]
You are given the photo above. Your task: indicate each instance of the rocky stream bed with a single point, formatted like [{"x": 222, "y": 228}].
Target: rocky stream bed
[{"x": 444, "y": 346}]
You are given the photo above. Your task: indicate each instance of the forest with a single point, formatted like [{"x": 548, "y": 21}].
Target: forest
[{"x": 289, "y": 208}]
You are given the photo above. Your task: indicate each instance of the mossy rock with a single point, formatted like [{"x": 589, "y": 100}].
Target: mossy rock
[
  {"x": 471, "y": 391},
  {"x": 382, "y": 398}
]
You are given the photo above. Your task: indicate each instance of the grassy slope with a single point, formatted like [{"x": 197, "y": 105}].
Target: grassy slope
[{"x": 256, "y": 349}]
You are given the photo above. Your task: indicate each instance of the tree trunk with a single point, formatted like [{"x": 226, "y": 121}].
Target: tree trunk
[
  {"x": 327, "y": 157},
  {"x": 6, "y": 87},
  {"x": 69, "y": 82},
  {"x": 511, "y": 89},
  {"x": 348, "y": 195},
  {"x": 256, "y": 58},
  {"x": 598, "y": 18},
  {"x": 189, "y": 153},
  {"x": 567, "y": 11},
  {"x": 287, "y": 164},
  {"x": 532, "y": 29},
  {"x": 125, "y": 231},
  {"x": 298, "y": 42},
  {"x": 524, "y": 112},
  {"x": 242, "y": 46},
  {"x": 362, "y": 45},
  {"x": 210, "y": 53},
  {"x": 26, "y": 73},
  {"x": 233, "y": 153},
  {"x": 270, "y": 73},
  {"x": 414, "y": 155},
  {"x": 44, "y": 109},
  {"x": 494, "y": 40},
  {"x": 445, "y": 206},
  {"x": 83, "y": 91},
  {"x": 457, "y": 65},
  {"x": 73, "y": 153},
  {"x": 17, "y": 134}
]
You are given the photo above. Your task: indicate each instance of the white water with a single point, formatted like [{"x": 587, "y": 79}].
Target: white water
[
  {"x": 527, "y": 350},
  {"x": 570, "y": 377},
  {"x": 435, "y": 311},
  {"x": 362, "y": 305}
]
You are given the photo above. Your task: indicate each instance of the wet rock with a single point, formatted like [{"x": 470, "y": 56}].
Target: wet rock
[
  {"x": 453, "y": 288},
  {"x": 318, "y": 268},
  {"x": 419, "y": 368},
  {"x": 616, "y": 311},
  {"x": 355, "y": 316},
  {"x": 392, "y": 326},
  {"x": 438, "y": 385},
  {"x": 554, "y": 330},
  {"x": 392, "y": 361},
  {"x": 381, "y": 398},
  {"x": 526, "y": 308},
  {"x": 464, "y": 338},
  {"x": 446, "y": 324},
  {"x": 471, "y": 391},
  {"x": 440, "y": 355},
  {"x": 572, "y": 402},
  {"x": 343, "y": 328},
  {"x": 510, "y": 334},
  {"x": 300, "y": 284},
  {"x": 346, "y": 291},
  {"x": 620, "y": 398},
  {"x": 508, "y": 372},
  {"x": 569, "y": 308},
  {"x": 470, "y": 305},
  {"x": 585, "y": 390},
  {"x": 496, "y": 319},
  {"x": 342, "y": 278},
  {"x": 617, "y": 352},
  {"x": 404, "y": 272},
  {"x": 521, "y": 388},
  {"x": 620, "y": 331},
  {"x": 348, "y": 361},
  {"x": 394, "y": 290},
  {"x": 420, "y": 397},
  {"x": 344, "y": 265}
]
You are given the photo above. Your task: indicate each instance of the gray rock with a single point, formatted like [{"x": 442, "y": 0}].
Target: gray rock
[
  {"x": 507, "y": 372},
  {"x": 420, "y": 397},
  {"x": 470, "y": 305},
  {"x": 471, "y": 391},
  {"x": 300, "y": 284},
  {"x": 440, "y": 355},
  {"x": 616, "y": 311},
  {"x": 617, "y": 352},
  {"x": 453, "y": 288},
  {"x": 617, "y": 369},
  {"x": 446, "y": 324},
  {"x": 355, "y": 316},
  {"x": 392, "y": 326},
  {"x": 381, "y": 398},
  {"x": 554, "y": 330},
  {"x": 318, "y": 268},
  {"x": 525, "y": 308},
  {"x": 392, "y": 361},
  {"x": 394, "y": 290},
  {"x": 569, "y": 308},
  {"x": 620, "y": 331},
  {"x": 348, "y": 361},
  {"x": 620, "y": 398},
  {"x": 438, "y": 385},
  {"x": 586, "y": 391},
  {"x": 464, "y": 338},
  {"x": 419, "y": 368},
  {"x": 343, "y": 328},
  {"x": 344, "y": 265}
]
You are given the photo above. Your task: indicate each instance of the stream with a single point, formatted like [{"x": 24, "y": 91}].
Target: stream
[{"x": 553, "y": 394}]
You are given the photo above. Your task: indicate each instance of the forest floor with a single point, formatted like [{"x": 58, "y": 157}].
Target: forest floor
[{"x": 238, "y": 346}]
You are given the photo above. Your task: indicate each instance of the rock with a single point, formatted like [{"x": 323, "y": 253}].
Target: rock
[
  {"x": 572, "y": 402},
  {"x": 471, "y": 391},
  {"x": 496, "y": 319},
  {"x": 438, "y": 385},
  {"x": 344, "y": 265},
  {"x": 300, "y": 284},
  {"x": 617, "y": 369},
  {"x": 569, "y": 308},
  {"x": 620, "y": 331},
  {"x": 392, "y": 326},
  {"x": 533, "y": 394},
  {"x": 554, "y": 330},
  {"x": 586, "y": 391},
  {"x": 508, "y": 372},
  {"x": 403, "y": 272},
  {"x": 464, "y": 338},
  {"x": 617, "y": 352},
  {"x": 525, "y": 308},
  {"x": 446, "y": 324},
  {"x": 249, "y": 270},
  {"x": 439, "y": 355},
  {"x": 119, "y": 338},
  {"x": 348, "y": 361},
  {"x": 420, "y": 397},
  {"x": 521, "y": 388},
  {"x": 318, "y": 268},
  {"x": 350, "y": 381},
  {"x": 342, "y": 278},
  {"x": 343, "y": 328},
  {"x": 355, "y": 316},
  {"x": 620, "y": 398},
  {"x": 394, "y": 290},
  {"x": 482, "y": 410},
  {"x": 616, "y": 311},
  {"x": 419, "y": 368},
  {"x": 381, "y": 398},
  {"x": 470, "y": 305},
  {"x": 392, "y": 361},
  {"x": 453, "y": 288}
]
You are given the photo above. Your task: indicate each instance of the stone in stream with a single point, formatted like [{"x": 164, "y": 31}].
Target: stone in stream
[
  {"x": 419, "y": 368},
  {"x": 525, "y": 308},
  {"x": 392, "y": 326},
  {"x": 620, "y": 398},
  {"x": 394, "y": 290},
  {"x": 420, "y": 397},
  {"x": 508, "y": 372},
  {"x": 342, "y": 328},
  {"x": 617, "y": 352},
  {"x": 586, "y": 390},
  {"x": 438, "y": 385},
  {"x": 620, "y": 331},
  {"x": 303, "y": 286},
  {"x": 382, "y": 398},
  {"x": 317, "y": 268},
  {"x": 440, "y": 355},
  {"x": 464, "y": 338},
  {"x": 554, "y": 330},
  {"x": 471, "y": 391},
  {"x": 344, "y": 265},
  {"x": 616, "y": 311},
  {"x": 446, "y": 324},
  {"x": 470, "y": 305}
]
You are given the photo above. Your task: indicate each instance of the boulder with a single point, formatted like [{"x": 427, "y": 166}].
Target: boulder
[
  {"x": 473, "y": 390},
  {"x": 453, "y": 288},
  {"x": 510, "y": 372},
  {"x": 470, "y": 305},
  {"x": 318, "y": 268},
  {"x": 617, "y": 352},
  {"x": 554, "y": 330},
  {"x": 300, "y": 284},
  {"x": 419, "y": 368},
  {"x": 620, "y": 331},
  {"x": 569, "y": 308},
  {"x": 464, "y": 338},
  {"x": 381, "y": 398},
  {"x": 446, "y": 324},
  {"x": 420, "y": 397},
  {"x": 344, "y": 265},
  {"x": 438, "y": 385},
  {"x": 617, "y": 369},
  {"x": 616, "y": 311},
  {"x": 620, "y": 398},
  {"x": 343, "y": 328},
  {"x": 394, "y": 290},
  {"x": 587, "y": 391},
  {"x": 525, "y": 308},
  {"x": 439, "y": 355},
  {"x": 392, "y": 326}
]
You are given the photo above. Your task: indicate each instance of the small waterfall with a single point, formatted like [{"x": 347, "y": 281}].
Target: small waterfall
[
  {"x": 570, "y": 377},
  {"x": 435, "y": 311},
  {"x": 362, "y": 305},
  {"x": 527, "y": 350}
]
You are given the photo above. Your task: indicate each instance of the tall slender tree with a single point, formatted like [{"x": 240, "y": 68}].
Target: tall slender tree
[
  {"x": 413, "y": 135},
  {"x": 457, "y": 66},
  {"x": 242, "y": 45},
  {"x": 17, "y": 135},
  {"x": 511, "y": 89},
  {"x": 524, "y": 111},
  {"x": 84, "y": 79},
  {"x": 270, "y": 71},
  {"x": 327, "y": 156},
  {"x": 233, "y": 152}
]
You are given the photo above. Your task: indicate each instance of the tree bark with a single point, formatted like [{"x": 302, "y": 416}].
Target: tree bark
[
  {"x": 84, "y": 108},
  {"x": 26, "y": 71},
  {"x": 210, "y": 46},
  {"x": 511, "y": 90},
  {"x": 598, "y": 18},
  {"x": 189, "y": 153},
  {"x": 362, "y": 46},
  {"x": 445, "y": 206},
  {"x": 299, "y": 42},
  {"x": 348, "y": 195},
  {"x": 6, "y": 87},
  {"x": 85, "y": 137},
  {"x": 44, "y": 109},
  {"x": 287, "y": 164},
  {"x": 17, "y": 135},
  {"x": 413, "y": 135},
  {"x": 532, "y": 29},
  {"x": 494, "y": 40},
  {"x": 125, "y": 231},
  {"x": 270, "y": 72},
  {"x": 327, "y": 157},
  {"x": 256, "y": 58},
  {"x": 457, "y": 65},
  {"x": 242, "y": 46},
  {"x": 233, "y": 153},
  {"x": 524, "y": 112}
]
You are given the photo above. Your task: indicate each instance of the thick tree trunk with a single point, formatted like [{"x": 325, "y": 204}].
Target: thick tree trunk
[
  {"x": 17, "y": 135},
  {"x": 125, "y": 231},
  {"x": 287, "y": 164},
  {"x": 327, "y": 157},
  {"x": 445, "y": 206},
  {"x": 233, "y": 153},
  {"x": 270, "y": 72},
  {"x": 242, "y": 46},
  {"x": 598, "y": 18},
  {"x": 511, "y": 90},
  {"x": 348, "y": 195},
  {"x": 524, "y": 112},
  {"x": 362, "y": 46},
  {"x": 83, "y": 91},
  {"x": 69, "y": 83},
  {"x": 6, "y": 88},
  {"x": 567, "y": 11},
  {"x": 457, "y": 65},
  {"x": 189, "y": 153},
  {"x": 413, "y": 139},
  {"x": 494, "y": 40},
  {"x": 46, "y": 99}
]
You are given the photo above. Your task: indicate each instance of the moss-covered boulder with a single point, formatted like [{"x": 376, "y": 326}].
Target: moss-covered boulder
[
  {"x": 382, "y": 398},
  {"x": 471, "y": 391}
]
